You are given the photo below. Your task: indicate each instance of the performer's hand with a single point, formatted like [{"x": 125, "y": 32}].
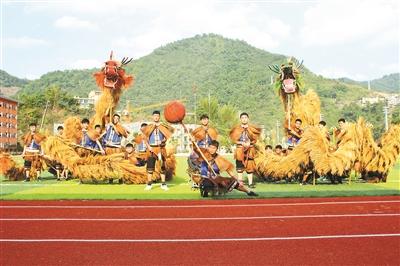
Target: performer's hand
[
  {"x": 151, "y": 149},
  {"x": 103, "y": 152}
]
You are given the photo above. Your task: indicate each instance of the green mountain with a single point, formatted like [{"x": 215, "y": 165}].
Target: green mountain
[
  {"x": 7, "y": 80},
  {"x": 230, "y": 70},
  {"x": 9, "y": 85},
  {"x": 388, "y": 83}
]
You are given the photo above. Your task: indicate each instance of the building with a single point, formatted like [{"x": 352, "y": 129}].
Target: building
[
  {"x": 371, "y": 100},
  {"x": 86, "y": 103},
  {"x": 8, "y": 123}
]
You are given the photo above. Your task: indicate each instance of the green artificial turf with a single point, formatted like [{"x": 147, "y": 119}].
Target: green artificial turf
[{"x": 180, "y": 188}]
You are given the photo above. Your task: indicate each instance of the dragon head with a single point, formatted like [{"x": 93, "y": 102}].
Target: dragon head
[
  {"x": 288, "y": 75},
  {"x": 113, "y": 75}
]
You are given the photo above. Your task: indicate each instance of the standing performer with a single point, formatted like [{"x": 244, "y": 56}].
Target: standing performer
[
  {"x": 341, "y": 131},
  {"x": 59, "y": 167},
  {"x": 157, "y": 135},
  {"x": 141, "y": 147},
  {"x": 32, "y": 152},
  {"x": 113, "y": 137},
  {"x": 245, "y": 136},
  {"x": 219, "y": 164},
  {"x": 324, "y": 130},
  {"x": 203, "y": 136},
  {"x": 294, "y": 135},
  {"x": 91, "y": 138}
]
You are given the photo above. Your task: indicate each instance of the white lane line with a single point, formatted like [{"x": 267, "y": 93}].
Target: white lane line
[
  {"x": 194, "y": 206},
  {"x": 177, "y": 240},
  {"x": 205, "y": 218}
]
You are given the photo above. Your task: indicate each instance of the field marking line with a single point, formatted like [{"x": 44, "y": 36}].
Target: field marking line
[
  {"x": 194, "y": 206},
  {"x": 206, "y": 218},
  {"x": 177, "y": 240}
]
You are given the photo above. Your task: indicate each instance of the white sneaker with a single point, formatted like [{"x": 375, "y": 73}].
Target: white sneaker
[
  {"x": 164, "y": 187},
  {"x": 148, "y": 187}
]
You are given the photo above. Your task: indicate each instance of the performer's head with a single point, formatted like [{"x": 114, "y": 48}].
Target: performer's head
[
  {"x": 142, "y": 126},
  {"x": 85, "y": 123},
  {"x": 321, "y": 124},
  {"x": 60, "y": 130},
  {"x": 97, "y": 128},
  {"x": 129, "y": 148},
  {"x": 204, "y": 119},
  {"x": 116, "y": 118},
  {"x": 244, "y": 118},
  {"x": 278, "y": 149},
  {"x": 213, "y": 147},
  {"x": 268, "y": 149},
  {"x": 342, "y": 123},
  {"x": 32, "y": 127},
  {"x": 298, "y": 123},
  {"x": 156, "y": 116}
]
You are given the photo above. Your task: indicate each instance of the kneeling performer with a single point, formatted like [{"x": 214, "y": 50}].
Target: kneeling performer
[{"x": 220, "y": 164}]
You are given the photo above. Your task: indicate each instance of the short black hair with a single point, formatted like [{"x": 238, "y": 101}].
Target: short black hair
[
  {"x": 85, "y": 121},
  {"x": 244, "y": 113},
  {"x": 342, "y": 120},
  {"x": 214, "y": 143},
  {"x": 204, "y": 117},
  {"x": 299, "y": 120},
  {"x": 290, "y": 148},
  {"x": 33, "y": 124},
  {"x": 96, "y": 126},
  {"x": 268, "y": 147},
  {"x": 143, "y": 125},
  {"x": 116, "y": 115},
  {"x": 60, "y": 127},
  {"x": 322, "y": 122},
  {"x": 278, "y": 147},
  {"x": 156, "y": 112},
  {"x": 129, "y": 145}
]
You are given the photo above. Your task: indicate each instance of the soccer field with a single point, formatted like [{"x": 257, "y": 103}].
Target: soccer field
[{"x": 180, "y": 188}]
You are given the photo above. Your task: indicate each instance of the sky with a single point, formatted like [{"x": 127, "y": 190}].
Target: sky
[{"x": 354, "y": 39}]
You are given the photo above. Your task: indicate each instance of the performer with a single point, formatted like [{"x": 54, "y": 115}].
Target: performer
[
  {"x": 203, "y": 135},
  {"x": 341, "y": 131},
  {"x": 59, "y": 167},
  {"x": 113, "y": 137},
  {"x": 129, "y": 154},
  {"x": 278, "y": 150},
  {"x": 91, "y": 138},
  {"x": 245, "y": 136},
  {"x": 60, "y": 131},
  {"x": 32, "y": 152},
  {"x": 268, "y": 149},
  {"x": 157, "y": 135},
  {"x": 141, "y": 147},
  {"x": 324, "y": 130},
  {"x": 220, "y": 164},
  {"x": 294, "y": 135}
]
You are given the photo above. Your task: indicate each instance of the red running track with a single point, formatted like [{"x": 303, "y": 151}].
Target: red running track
[{"x": 314, "y": 231}]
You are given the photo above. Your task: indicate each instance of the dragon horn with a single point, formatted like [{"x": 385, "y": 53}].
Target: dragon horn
[
  {"x": 273, "y": 68},
  {"x": 126, "y": 61},
  {"x": 300, "y": 65},
  {"x": 111, "y": 55}
]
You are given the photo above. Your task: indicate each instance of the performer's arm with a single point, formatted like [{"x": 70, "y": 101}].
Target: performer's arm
[{"x": 100, "y": 147}]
